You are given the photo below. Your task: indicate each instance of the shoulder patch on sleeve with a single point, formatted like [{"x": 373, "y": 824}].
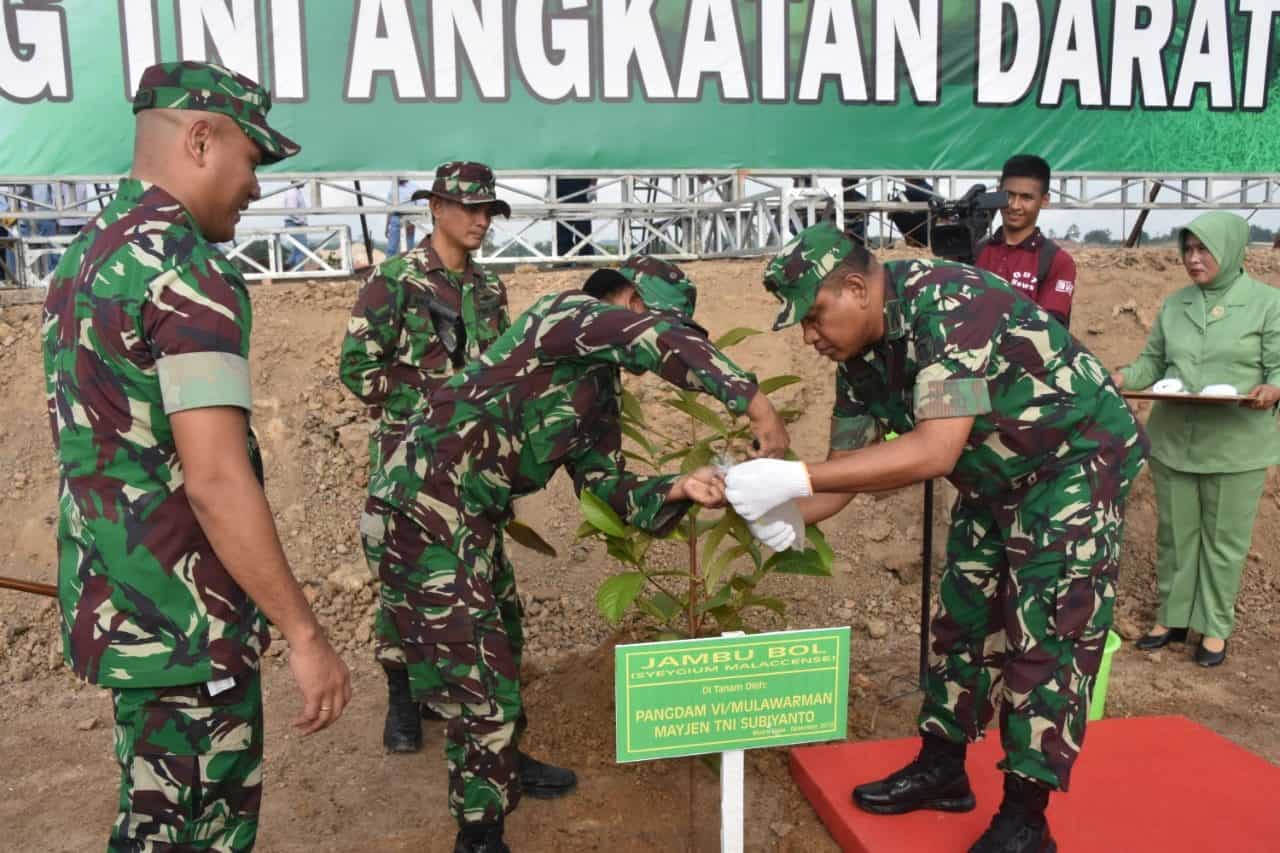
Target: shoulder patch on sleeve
[
  {"x": 951, "y": 398},
  {"x": 198, "y": 380}
]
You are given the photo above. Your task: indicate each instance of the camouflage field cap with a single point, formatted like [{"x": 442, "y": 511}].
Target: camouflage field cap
[
  {"x": 466, "y": 183},
  {"x": 214, "y": 89},
  {"x": 662, "y": 286},
  {"x": 795, "y": 275}
]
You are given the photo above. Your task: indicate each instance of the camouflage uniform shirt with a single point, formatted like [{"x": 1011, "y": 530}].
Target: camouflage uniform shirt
[
  {"x": 144, "y": 318},
  {"x": 548, "y": 394},
  {"x": 959, "y": 342},
  {"x": 391, "y": 357}
]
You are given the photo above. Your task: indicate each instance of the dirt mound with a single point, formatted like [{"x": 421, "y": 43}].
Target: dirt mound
[{"x": 340, "y": 788}]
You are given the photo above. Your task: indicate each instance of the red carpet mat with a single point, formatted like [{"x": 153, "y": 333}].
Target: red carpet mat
[{"x": 1142, "y": 785}]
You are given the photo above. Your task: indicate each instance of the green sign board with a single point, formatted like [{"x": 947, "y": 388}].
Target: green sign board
[
  {"x": 689, "y": 697},
  {"x": 403, "y": 85}
]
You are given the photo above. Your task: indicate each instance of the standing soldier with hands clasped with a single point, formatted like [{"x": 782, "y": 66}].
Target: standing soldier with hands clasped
[
  {"x": 417, "y": 320},
  {"x": 168, "y": 558}
]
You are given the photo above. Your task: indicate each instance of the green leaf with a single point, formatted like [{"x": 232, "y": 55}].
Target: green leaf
[
  {"x": 700, "y": 454},
  {"x": 600, "y": 514},
  {"x": 715, "y": 537},
  {"x": 790, "y": 415},
  {"x": 735, "y": 336},
  {"x": 701, "y": 413},
  {"x": 631, "y": 407},
  {"x": 720, "y": 599},
  {"x": 523, "y": 534},
  {"x": 727, "y": 618},
  {"x": 722, "y": 561},
  {"x": 743, "y": 583},
  {"x": 673, "y": 455},
  {"x": 638, "y": 437},
  {"x": 819, "y": 543},
  {"x": 774, "y": 383},
  {"x": 616, "y": 594},
  {"x": 738, "y": 528},
  {"x": 643, "y": 460},
  {"x": 797, "y": 563},
  {"x": 646, "y": 606},
  {"x": 586, "y": 529},
  {"x": 706, "y": 524},
  {"x": 777, "y": 605},
  {"x": 679, "y": 533},
  {"x": 665, "y": 605},
  {"x": 622, "y": 549}
]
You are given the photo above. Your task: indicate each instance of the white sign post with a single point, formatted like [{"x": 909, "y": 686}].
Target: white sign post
[{"x": 732, "y": 783}]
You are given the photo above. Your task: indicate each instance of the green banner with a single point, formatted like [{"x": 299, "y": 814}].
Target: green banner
[
  {"x": 690, "y": 697},
  {"x": 402, "y": 85}
]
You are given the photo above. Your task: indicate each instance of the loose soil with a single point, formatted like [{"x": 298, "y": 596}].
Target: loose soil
[{"x": 337, "y": 791}]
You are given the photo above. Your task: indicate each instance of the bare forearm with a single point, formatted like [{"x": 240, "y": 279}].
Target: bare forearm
[
  {"x": 908, "y": 459},
  {"x": 235, "y": 516},
  {"x": 822, "y": 506}
]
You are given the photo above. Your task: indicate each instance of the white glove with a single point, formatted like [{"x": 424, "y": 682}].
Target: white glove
[
  {"x": 758, "y": 486},
  {"x": 781, "y": 527}
]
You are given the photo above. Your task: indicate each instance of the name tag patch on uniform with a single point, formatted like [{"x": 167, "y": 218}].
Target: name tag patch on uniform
[{"x": 1064, "y": 286}]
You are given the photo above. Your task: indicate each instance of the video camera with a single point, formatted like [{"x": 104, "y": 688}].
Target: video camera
[{"x": 957, "y": 226}]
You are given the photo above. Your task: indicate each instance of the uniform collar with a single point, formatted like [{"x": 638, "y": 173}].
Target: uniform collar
[
  {"x": 1033, "y": 241},
  {"x": 134, "y": 191},
  {"x": 894, "y": 328},
  {"x": 431, "y": 262}
]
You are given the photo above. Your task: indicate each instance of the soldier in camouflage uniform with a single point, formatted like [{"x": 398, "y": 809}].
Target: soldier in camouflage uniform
[
  {"x": 167, "y": 554},
  {"x": 418, "y": 318},
  {"x": 545, "y": 395},
  {"x": 988, "y": 392}
]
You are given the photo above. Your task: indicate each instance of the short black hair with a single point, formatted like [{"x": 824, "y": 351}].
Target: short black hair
[
  {"x": 605, "y": 282},
  {"x": 1027, "y": 166}
]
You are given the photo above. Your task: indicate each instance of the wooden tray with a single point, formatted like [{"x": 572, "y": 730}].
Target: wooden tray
[{"x": 1225, "y": 400}]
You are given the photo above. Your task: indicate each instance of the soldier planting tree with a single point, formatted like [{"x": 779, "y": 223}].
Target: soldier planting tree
[
  {"x": 986, "y": 390},
  {"x": 545, "y": 395}
]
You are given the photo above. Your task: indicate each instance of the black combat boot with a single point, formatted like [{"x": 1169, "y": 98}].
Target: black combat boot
[
  {"x": 480, "y": 838},
  {"x": 935, "y": 780},
  {"x": 1020, "y": 825},
  {"x": 544, "y": 781},
  {"x": 402, "y": 732}
]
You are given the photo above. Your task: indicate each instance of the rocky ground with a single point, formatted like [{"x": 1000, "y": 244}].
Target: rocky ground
[{"x": 337, "y": 791}]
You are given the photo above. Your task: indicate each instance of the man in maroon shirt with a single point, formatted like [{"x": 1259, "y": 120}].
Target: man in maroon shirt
[{"x": 1036, "y": 266}]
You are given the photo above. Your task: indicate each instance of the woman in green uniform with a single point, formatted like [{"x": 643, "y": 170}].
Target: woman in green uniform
[{"x": 1209, "y": 462}]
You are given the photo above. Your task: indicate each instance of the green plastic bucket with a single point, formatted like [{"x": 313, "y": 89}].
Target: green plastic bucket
[{"x": 1098, "y": 701}]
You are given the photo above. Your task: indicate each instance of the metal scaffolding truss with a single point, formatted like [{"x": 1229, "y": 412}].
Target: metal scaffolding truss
[{"x": 606, "y": 216}]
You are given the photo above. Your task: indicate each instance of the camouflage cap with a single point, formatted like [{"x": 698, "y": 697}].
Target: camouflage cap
[
  {"x": 662, "y": 286},
  {"x": 466, "y": 183},
  {"x": 796, "y": 273},
  {"x": 214, "y": 89}
]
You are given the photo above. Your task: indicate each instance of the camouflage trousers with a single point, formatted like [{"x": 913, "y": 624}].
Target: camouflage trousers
[
  {"x": 387, "y": 651},
  {"x": 1024, "y": 606},
  {"x": 448, "y": 603},
  {"x": 190, "y": 767}
]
